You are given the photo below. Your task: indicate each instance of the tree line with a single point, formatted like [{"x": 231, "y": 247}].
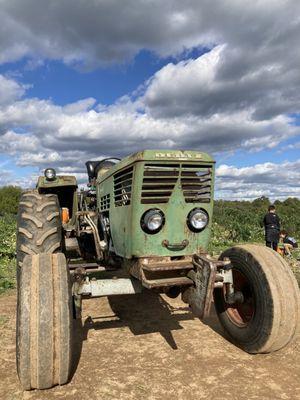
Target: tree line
[{"x": 243, "y": 219}]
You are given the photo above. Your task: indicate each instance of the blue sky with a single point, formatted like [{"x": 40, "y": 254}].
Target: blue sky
[
  {"x": 102, "y": 81},
  {"x": 63, "y": 84}
]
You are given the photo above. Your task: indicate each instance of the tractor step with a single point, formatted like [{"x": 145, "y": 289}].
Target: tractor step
[
  {"x": 168, "y": 266},
  {"x": 166, "y": 282}
]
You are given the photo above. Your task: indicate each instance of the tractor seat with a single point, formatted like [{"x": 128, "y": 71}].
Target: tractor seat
[
  {"x": 90, "y": 166},
  {"x": 95, "y": 167}
]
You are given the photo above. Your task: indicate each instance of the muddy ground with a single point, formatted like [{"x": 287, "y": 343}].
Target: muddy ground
[{"x": 151, "y": 347}]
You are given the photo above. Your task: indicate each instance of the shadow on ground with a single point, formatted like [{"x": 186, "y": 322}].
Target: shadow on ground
[{"x": 143, "y": 313}]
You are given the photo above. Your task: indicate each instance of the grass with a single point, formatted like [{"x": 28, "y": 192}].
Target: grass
[{"x": 3, "y": 319}]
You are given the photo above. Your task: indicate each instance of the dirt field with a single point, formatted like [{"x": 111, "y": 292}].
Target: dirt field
[{"x": 151, "y": 347}]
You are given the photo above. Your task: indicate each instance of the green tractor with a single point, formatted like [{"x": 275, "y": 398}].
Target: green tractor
[{"x": 143, "y": 224}]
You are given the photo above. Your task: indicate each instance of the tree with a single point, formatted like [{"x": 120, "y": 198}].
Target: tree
[{"x": 9, "y": 199}]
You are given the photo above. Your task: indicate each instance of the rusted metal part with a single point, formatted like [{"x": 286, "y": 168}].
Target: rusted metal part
[
  {"x": 225, "y": 276},
  {"x": 72, "y": 247},
  {"x": 199, "y": 296},
  {"x": 166, "y": 282},
  {"x": 155, "y": 263},
  {"x": 162, "y": 272},
  {"x": 208, "y": 274},
  {"x": 166, "y": 266},
  {"x": 88, "y": 267},
  {"x": 175, "y": 246},
  {"x": 231, "y": 294},
  {"x": 78, "y": 278},
  {"x": 100, "y": 245}
]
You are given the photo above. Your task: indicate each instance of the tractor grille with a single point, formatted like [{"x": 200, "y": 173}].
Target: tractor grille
[
  {"x": 195, "y": 181},
  {"x": 160, "y": 180},
  {"x": 105, "y": 202},
  {"x": 122, "y": 187}
]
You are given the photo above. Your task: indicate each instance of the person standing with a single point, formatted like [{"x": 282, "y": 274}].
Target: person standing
[{"x": 272, "y": 228}]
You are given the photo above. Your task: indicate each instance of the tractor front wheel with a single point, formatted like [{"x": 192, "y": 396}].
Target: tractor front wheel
[
  {"x": 44, "y": 321},
  {"x": 268, "y": 317}
]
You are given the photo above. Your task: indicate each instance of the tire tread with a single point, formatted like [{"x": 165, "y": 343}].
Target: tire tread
[
  {"x": 44, "y": 322},
  {"x": 39, "y": 227}
]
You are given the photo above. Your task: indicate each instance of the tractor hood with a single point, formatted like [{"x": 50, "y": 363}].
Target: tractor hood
[
  {"x": 158, "y": 155},
  {"x": 174, "y": 183}
]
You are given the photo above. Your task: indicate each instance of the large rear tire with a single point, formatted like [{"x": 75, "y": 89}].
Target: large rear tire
[
  {"x": 39, "y": 226},
  {"x": 44, "y": 322},
  {"x": 269, "y": 317}
]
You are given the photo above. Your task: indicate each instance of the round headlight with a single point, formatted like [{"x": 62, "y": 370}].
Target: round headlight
[
  {"x": 152, "y": 221},
  {"x": 50, "y": 174},
  {"x": 197, "y": 219}
]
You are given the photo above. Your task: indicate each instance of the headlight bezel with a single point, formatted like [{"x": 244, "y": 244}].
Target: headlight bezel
[
  {"x": 48, "y": 176},
  {"x": 145, "y": 220},
  {"x": 190, "y": 216}
]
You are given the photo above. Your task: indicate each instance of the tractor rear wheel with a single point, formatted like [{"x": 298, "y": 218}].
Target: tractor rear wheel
[
  {"x": 39, "y": 227},
  {"x": 268, "y": 318},
  {"x": 44, "y": 321}
]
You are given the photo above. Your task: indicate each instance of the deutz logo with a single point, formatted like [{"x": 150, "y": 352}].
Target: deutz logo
[{"x": 178, "y": 155}]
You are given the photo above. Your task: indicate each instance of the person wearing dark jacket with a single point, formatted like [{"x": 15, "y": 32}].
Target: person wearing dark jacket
[{"x": 272, "y": 228}]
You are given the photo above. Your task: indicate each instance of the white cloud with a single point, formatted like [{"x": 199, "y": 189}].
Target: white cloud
[
  {"x": 39, "y": 133},
  {"x": 13, "y": 143},
  {"x": 10, "y": 90},
  {"x": 239, "y": 95},
  {"x": 203, "y": 87},
  {"x": 7, "y": 178},
  {"x": 121, "y": 130},
  {"x": 277, "y": 181},
  {"x": 98, "y": 32}
]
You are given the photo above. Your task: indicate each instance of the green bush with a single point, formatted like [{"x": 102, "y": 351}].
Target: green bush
[
  {"x": 7, "y": 235},
  {"x": 7, "y": 251},
  {"x": 242, "y": 221},
  {"x": 7, "y": 273},
  {"x": 9, "y": 199}
]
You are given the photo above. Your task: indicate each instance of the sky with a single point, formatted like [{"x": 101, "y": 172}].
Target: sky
[{"x": 84, "y": 80}]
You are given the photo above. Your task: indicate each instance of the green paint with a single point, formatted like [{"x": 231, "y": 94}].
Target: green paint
[
  {"x": 128, "y": 237},
  {"x": 61, "y": 180},
  {"x": 65, "y": 187}
]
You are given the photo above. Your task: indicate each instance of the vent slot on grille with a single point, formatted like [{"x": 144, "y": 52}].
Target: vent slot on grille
[
  {"x": 196, "y": 183},
  {"x": 105, "y": 202},
  {"x": 122, "y": 187},
  {"x": 159, "y": 182}
]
